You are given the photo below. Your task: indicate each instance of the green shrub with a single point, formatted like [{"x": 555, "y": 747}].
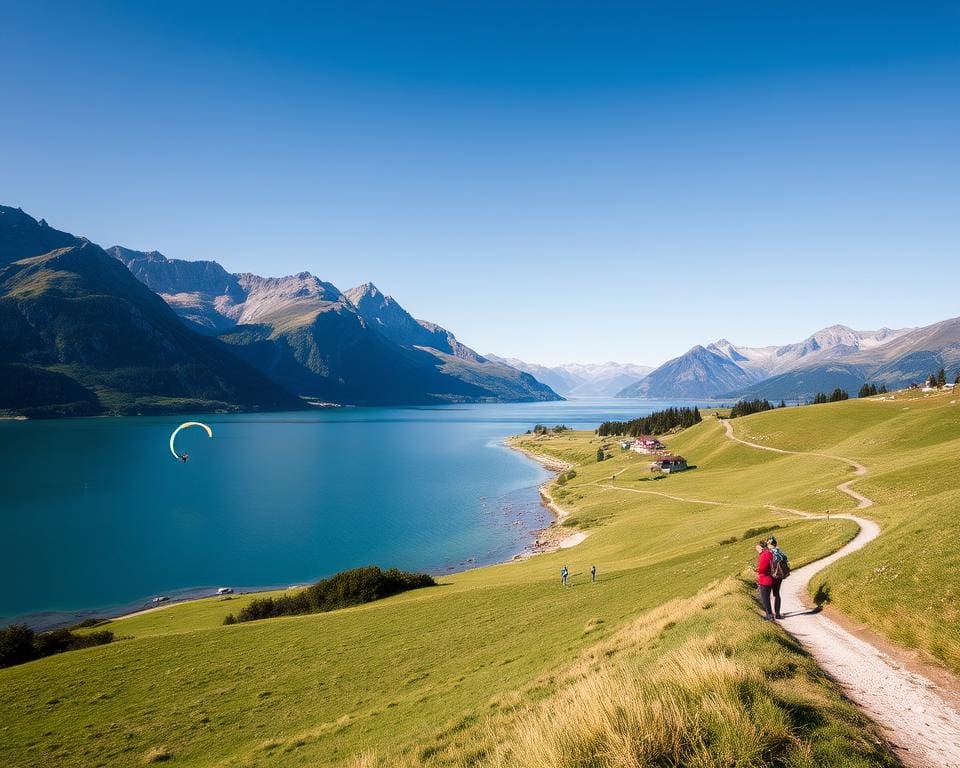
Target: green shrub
[
  {"x": 353, "y": 587},
  {"x": 16, "y": 645},
  {"x": 19, "y": 643},
  {"x": 752, "y": 533}
]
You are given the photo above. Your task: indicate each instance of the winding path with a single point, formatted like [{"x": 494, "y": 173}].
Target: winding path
[{"x": 923, "y": 728}]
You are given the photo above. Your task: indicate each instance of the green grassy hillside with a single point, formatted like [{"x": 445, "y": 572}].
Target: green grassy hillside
[
  {"x": 499, "y": 666},
  {"x": 905, "y": 584}
]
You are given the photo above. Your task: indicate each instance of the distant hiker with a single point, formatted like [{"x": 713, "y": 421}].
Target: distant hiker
[
  {"x": 779, "y": 570},
  {"x": 764, "y": 579},
  {"x": 563, "y": 576},
  {"x": 593, "y": 574}
]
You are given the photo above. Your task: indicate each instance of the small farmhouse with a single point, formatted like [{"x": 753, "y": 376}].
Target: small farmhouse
[
  {"x": 669, "y": 464},
  {"x": 646, "y": 444}
]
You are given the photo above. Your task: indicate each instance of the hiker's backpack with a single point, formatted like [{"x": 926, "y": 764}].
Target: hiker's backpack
[{"x": 779, "y": 565}]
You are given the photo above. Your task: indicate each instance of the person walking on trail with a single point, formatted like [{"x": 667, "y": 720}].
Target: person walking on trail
[
  {"x": 593, "y": 574},
  {"x": 563, "y": 576},
  {"x": 764, "y": 579},
  {"x": 779, "y": 570}
]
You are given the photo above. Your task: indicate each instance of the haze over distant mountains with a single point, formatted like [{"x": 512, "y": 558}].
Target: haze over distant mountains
[
  {"x": 832, "y": 357},
  {"x": 582, "y": 379},
  {"x": 836, "y": 356}
]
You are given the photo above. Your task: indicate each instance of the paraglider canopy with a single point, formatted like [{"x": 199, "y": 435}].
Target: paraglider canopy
[{"x": 173, "y": 437}]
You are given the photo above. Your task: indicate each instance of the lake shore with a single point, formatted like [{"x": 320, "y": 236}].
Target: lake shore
[
  {"x": 550, "y": 539},
  {"x": 555, "y": 536},
  {"x": 535, "y": 535}
]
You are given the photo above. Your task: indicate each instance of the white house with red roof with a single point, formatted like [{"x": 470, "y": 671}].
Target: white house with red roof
[{"x": 646, "y": 444}]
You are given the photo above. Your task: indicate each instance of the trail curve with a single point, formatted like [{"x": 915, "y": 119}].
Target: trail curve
[{"x": 922, "y": 726}]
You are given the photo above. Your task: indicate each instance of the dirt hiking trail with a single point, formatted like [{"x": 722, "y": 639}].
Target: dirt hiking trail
[{"x": 921, "y": 725}]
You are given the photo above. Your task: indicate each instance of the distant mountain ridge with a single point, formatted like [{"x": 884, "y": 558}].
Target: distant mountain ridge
[
  {"x": 361, "y": 347},
  {"x": 582, "y": 379},
  {"x": 699, "y": 372},
  {"x": 836, "y": 356}
]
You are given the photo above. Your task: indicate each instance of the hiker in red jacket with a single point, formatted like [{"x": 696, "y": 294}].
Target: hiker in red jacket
[{"x": 764, "y": 579}]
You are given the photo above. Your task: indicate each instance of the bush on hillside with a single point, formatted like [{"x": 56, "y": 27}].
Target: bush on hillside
[
  {"x": 542, "y": 429},
  {"x": 20, "y": 644},
  {"x": 752, "y": 533},
  {"x": 353, "y": 587},
  {"x": 16, "y": 645},
  {"x": 657, "y": 423}
]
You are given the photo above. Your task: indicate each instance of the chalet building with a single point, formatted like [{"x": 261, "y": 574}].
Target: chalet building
[
  {"x": 646, "y": 444},
  {"x": 669, "y": 464}
]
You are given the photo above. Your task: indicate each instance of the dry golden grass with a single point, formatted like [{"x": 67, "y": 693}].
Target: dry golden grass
[{"x": 696, "y": 683}]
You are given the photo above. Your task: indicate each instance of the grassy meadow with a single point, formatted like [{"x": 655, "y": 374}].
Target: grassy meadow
[{"x": 662, "y": 662}]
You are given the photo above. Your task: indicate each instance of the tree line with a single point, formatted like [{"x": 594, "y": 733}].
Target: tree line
[
  {"x": 869, "y": 390},
  {"x": 542, "y": 429},
  {"x": 657, "y": 423},
  {"x": 20, "y": 644},
  {"x": 353, "y": 587},
  {"x": 746, "y": 407},
  {"x": 834, "y": 397}
]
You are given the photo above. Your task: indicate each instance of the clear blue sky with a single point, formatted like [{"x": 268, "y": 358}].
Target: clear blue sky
[{"x": 556, "y": 181}]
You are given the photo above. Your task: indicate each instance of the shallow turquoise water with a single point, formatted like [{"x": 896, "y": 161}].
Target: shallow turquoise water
[{"x": 96, "y": 513}]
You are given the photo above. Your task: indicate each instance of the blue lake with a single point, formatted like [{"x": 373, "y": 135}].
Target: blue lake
[{"x": 97, "y": 515}]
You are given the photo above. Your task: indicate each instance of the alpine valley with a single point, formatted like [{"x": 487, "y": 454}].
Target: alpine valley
[{"x": 87, "y": 331}]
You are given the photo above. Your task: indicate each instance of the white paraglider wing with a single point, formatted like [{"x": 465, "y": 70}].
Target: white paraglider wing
[{"x": 186, "y": 424}]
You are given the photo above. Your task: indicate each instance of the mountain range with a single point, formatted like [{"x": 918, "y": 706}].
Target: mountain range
[
  {"x": 582, "y": 379},
  {"x": 80, "y": 335},
  {"x": 837, "y": 356},
  {"x": 359, "y": 347},
  {"x": 85, "y": 331}
]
